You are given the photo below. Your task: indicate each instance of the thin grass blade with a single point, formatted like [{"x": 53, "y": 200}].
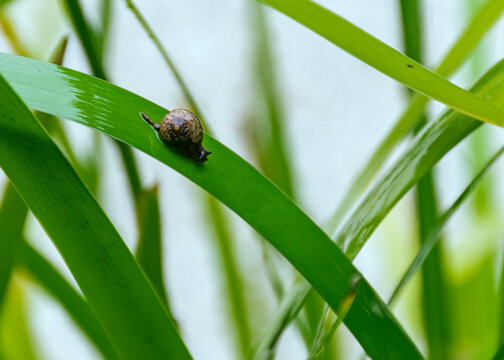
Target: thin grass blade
[{"x": 433, "y": 237}]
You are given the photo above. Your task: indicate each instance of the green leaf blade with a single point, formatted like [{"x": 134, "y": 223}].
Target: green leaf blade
[{"x": 102, "y": 265}]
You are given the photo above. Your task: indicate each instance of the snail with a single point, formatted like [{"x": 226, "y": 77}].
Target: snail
[{"x": 182, "y": 130}]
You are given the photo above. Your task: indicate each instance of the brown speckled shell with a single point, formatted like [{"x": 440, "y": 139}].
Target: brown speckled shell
[{"x": 181, "y": 126}]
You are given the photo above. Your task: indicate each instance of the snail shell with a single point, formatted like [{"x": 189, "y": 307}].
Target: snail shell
[{"x": 182, "y": 130}]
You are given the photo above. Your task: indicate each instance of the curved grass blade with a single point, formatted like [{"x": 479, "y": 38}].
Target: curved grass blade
[
  {"x": 470, "y": 38},
  {"x": 105, "y": 107},
  {"x": 433, "y": 237},
  {"x": 102, "y": 265},
  {"x": 74, "y": 304},
  {"x": 430, "y": 146},
  {"x": 385, "y": 59}
]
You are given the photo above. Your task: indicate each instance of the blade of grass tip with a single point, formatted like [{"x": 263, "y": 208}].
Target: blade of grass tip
[
  {"x": 433, "y": 238},
  {"x": 481, "y": 23},
  {"x": 233, "y": 281},
  {"x": 325, "y": 335},
  {"x": 434, "y": 290},
  {"x": 12, "y": 219},
  {"x": 75, "y": 305},
  {"x": 386, "y": 59},
  {"x": 120, "y": 294},
  {"x": 149, "y": 249},
  {"x": 218, "y": 217},
  {"x": 89, "y": 101}
]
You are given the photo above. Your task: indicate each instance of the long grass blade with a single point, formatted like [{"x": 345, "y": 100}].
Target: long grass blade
[{"x": 126, "y": 304}]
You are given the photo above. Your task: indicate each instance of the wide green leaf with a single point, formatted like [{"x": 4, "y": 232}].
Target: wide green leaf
[
  {"x": 118, "y": 291},
  {"x": 114, "y": 111},
  {"x": 389, "y": 61}
]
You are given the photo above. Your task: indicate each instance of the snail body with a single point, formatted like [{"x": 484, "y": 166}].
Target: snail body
[{"x": 182, "y": 130}]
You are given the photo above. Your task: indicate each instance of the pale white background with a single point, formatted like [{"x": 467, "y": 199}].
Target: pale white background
[{"x": 338, "y": 109}]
